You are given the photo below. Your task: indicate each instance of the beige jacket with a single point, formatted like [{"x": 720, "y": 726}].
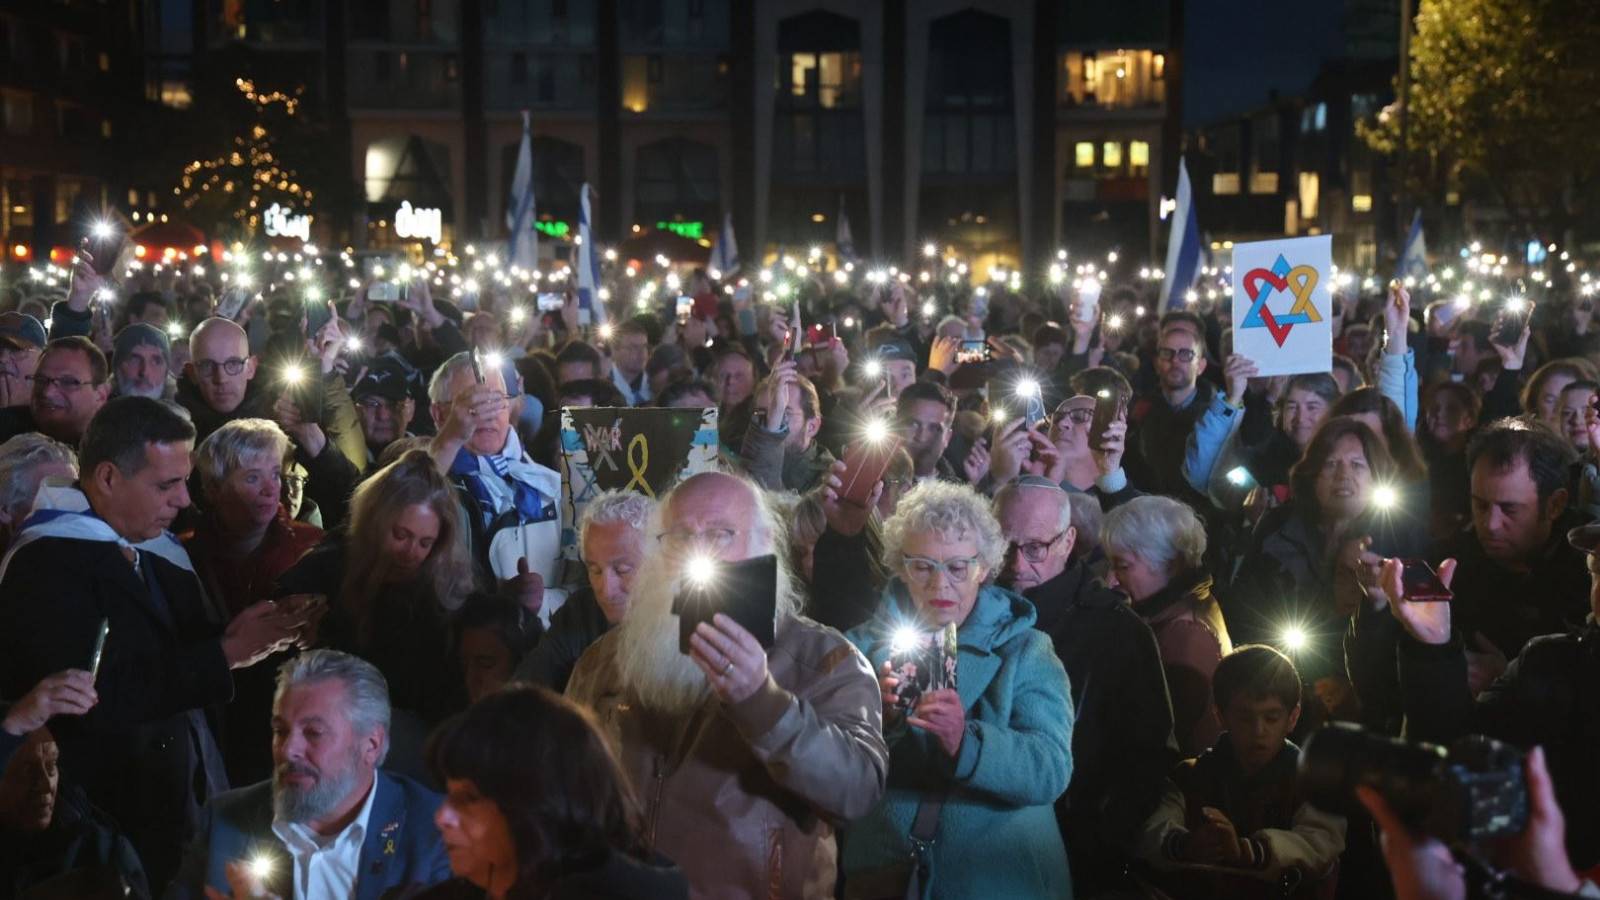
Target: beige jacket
[{"x": 746, "y": 797}]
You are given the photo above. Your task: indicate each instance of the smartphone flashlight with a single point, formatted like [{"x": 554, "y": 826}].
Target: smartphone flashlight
[
  {"x": 904, "y": 640},
  {"x": 872, "y": 368},
  {"x": 102, "y": 230},
  {"x": 1239, "y": 476},
  {"x": 518, "y": 314},
  {"x": 700, "y": 570},
  {"x": 877, "y": 430},
  {"x": 261, "y": 867},
  {"x": 606, "y": 331},
  {"x": 1385, "y": 497},
  {"x": 294, "y": 374},
  {"x": 1027, "y": 387},
  {"x": 1293, "y": 638}
]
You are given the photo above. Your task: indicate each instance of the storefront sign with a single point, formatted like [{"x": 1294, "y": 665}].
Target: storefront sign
[
  {"x": 280, "y": 221},
  {"x": 554, "y": 229},
  {"x": 694, "y": 231},
  {"x": 426, "y": 223}
]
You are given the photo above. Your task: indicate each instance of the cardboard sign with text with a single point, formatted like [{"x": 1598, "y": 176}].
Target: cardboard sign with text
[
  {"x": 1283, "y": 304},
  {"x": 645, "y": 449}
]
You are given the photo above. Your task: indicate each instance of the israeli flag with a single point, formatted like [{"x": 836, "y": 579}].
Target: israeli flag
[
  {"x": 843, "y": 240},
  {"x": 590, "y": 310},
  {"x": 1183, "y": 244},
  {"x": 520, "y": 216},
  {"x": 725, "y": 252},
  {"x": 1413, "y": 261}
]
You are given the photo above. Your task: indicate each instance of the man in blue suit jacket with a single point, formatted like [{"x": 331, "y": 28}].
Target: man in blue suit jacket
[{"x": 329, "y": 825}]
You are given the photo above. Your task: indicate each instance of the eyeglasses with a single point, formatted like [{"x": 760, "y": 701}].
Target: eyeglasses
[
  {"x": 208, "y": 368},
  {"x": 1165, "y": 354},
  {"x": 1077, "y": 416},
  {"x": 294, "y": 482},
  {"x": 373, "y": 404},
  {"x": 959, "y": 571},
  {"x": 65, "y": 382},
  {"x": 1036, "y": 551},
  {"x": 712, "y": 540}
]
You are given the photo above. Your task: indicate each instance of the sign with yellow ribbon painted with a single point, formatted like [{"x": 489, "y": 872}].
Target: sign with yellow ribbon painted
[
  {"x": 645, "y": 449},
  {"x": 1282, "y": 304}
]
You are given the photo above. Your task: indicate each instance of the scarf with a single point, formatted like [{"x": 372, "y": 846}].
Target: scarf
[
  {"x": 509, "y": 480},
  {"x": 63, "y": 511}
]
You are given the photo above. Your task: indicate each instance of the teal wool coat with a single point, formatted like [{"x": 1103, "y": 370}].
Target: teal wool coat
[{"x": 997, "y": 834}]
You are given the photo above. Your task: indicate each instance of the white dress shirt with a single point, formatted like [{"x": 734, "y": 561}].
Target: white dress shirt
[{"x": 326, "y": 867}]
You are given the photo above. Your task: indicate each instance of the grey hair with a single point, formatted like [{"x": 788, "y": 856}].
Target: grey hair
[
  {"x": 367, "y": 693},
  {"x": 445, "y": 372},
  {"x": 23, "y": 454},
  {"x": 952, "y": 511},
  {"x": 1012, "y": 491},
  {"x": 1087, "y": 519},
  {"x": 238, "y": 443},
  {"x": 611, "y": 507},
  {"x": 1158, "y": 530}
]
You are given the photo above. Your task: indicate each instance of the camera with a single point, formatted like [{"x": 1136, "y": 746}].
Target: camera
[{"x": 1469, "y": 792}]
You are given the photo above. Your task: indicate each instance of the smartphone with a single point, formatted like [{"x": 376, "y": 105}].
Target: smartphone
[
  {"x": 864, "y": 465},
  {"x": 1446, "y": 313},
  {"x": 99, "y": 647},
  {"x": 745, "y": 591},
  {"x": 1109, "y": 407},
  {"x": 1088, "y": 308},
  {"x": 821, "y": 336},
  {"x": 923, "y": 662},
  {"x": 477, "y": 367},
  {"x": 317, "y": 315},
  {"x": 977, "y": 351},
  {"x": 1421, "y": 583},
  {"x": 383, "y": 292},
  {"x": 1508, "y": 326},
  {"x": 685, "y": 308},
  {"x": 550, "y": 302},
  {"x": 232, "y": 303}
]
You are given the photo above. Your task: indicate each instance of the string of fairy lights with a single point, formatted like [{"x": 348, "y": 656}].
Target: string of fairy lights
[{"x": 251, "y": 166}]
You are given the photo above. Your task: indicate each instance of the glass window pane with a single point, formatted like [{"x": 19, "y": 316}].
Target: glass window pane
[
  {"x": 1111, "y": 155},
  {"x": 1083, "y": 155}
]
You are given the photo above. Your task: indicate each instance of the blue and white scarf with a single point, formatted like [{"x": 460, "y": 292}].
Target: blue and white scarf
[
  {"x": 509, "y": 479},
  {"x": 63, "y": 511}
]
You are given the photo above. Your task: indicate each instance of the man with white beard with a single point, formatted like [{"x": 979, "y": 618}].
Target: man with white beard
[
  {"x": 328, "y": 824},
  {"x": 746, "y": 760},
  {"x": 141, "y": 363}
]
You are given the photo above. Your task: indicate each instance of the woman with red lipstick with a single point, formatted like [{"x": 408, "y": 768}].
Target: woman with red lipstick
[{"x": 536, "y": 807}]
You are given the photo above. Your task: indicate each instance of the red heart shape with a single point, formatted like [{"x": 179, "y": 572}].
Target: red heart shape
[
  {"x": 1279, "y": 332},
  {"x": 1256, "y": 275}
]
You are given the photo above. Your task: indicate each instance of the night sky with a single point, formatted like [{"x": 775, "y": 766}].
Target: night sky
[{"x": 1238, "y": 50}]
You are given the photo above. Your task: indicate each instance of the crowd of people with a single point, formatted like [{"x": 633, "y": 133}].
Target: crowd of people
[{"x": 287, "y": 606}]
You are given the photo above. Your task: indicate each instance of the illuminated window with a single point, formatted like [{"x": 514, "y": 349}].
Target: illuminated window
[
  {"x": 1139, "y": 154},
  {"x": 1361, "y": 203},
  {"x": 1117, "y": 79},
  {"x": 1225, "y": 183},
  {"x": 1083, "y": 155},
  {"x": 1111, "y": 155},
  {"x": 1310, "y": 192}
]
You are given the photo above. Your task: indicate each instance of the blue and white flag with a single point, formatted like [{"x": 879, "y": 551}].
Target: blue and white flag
[
  {"x": 1183, "y": 244},
  {"x": 843, "y": 241},
  {"x": 1413, "y": 261},
  {"x": 590, "y": 310},
  {"x": 725, "y": 252},
  {"x": 520, "y": 216}
]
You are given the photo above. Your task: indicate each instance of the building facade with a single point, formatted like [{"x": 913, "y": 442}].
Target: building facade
[{"x": 1004, "y": 127}]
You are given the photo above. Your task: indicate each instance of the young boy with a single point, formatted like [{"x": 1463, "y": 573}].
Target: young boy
[{"x": 1232, "y": 815}]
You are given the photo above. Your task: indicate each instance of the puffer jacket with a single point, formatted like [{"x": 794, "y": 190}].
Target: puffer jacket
[
  {"x": 746, "y": 797},
  {"x": 997, "y": 834}
]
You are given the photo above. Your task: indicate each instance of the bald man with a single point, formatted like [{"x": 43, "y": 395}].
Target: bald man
[
  {"x": 786, "y": 744},
  {"x": 220, "y": 385}
]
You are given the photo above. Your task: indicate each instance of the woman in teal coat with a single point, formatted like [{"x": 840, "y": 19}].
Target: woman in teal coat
[{"x": 998, "y": 746}]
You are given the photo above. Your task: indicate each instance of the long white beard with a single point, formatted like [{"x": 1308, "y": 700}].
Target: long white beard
[{"x": 649, "y": 663}]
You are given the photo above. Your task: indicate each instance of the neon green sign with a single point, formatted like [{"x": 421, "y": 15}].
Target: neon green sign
[
  {"x": 694, "y": 231},
  {"x": 554, "y": 229}
]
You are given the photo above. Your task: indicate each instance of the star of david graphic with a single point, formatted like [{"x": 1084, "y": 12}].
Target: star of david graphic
[{"x": 1298, "y": 282}]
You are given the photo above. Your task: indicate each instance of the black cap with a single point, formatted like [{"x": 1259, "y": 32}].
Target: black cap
[{"x": 387, "y": 376}]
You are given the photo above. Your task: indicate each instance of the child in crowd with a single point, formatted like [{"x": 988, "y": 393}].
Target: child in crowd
[{"x": 1230, "y": 823}]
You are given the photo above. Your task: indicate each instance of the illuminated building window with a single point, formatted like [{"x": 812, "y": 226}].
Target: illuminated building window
[
  {"x": 1111, "y": 155},
  {"x": 1083, "y": 155},
  {"x": 1139, "y": 154}
]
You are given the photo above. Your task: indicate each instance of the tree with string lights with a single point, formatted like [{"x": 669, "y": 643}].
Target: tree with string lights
[{"x": 236, "y": 186}]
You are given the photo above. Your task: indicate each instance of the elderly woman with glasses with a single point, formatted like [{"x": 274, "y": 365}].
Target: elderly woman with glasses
[{"x": 984, "y": 760}]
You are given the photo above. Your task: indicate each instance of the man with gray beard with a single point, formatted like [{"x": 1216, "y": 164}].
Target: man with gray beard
[
  {"x": 328, "y": 824},
  {"x": 747, "y": 760}
]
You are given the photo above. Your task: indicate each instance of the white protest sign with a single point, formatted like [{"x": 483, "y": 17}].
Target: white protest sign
[{"x": 1283, "y": 303}]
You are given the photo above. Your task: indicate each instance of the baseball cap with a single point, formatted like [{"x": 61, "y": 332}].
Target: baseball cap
[
  {"x": 387, "y": 376},
  {"x": 21, "y": 331},
  {"x": 893, "y": 349},
  {"x": 1076, "y": 401},
  {"x": 139, "y": 335}
]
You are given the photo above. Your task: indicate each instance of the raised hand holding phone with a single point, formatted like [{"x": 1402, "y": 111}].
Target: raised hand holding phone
[{"x": 1426, "y": 620}]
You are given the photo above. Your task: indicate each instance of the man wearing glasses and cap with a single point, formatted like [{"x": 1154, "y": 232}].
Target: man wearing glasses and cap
[
  {"x": 1122, "y": 740},
  {"x": 21, "y": 339},
  {"x": 1547, "y": 695},
  {"x": 1060, "y": 452}
]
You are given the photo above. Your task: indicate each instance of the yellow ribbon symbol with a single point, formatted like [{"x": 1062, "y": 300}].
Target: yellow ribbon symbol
[
  {"x": 1302, "y": 281},
  {"x": 638, "y": 461},
  {"x": 388, "y": 847}
]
